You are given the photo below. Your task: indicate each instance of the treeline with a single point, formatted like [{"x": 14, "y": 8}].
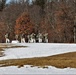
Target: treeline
[{"x": 55, "y": 17}]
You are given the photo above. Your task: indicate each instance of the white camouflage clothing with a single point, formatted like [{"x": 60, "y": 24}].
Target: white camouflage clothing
[
  {"x": 40, "y": 37},
  {"x": 46, "y": 37}
]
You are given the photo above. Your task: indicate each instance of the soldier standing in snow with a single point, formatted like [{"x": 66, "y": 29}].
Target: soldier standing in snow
[
  {"x": 40, "y": 38},
  {"x": 33, "y": 38},
  {"x": 29, "y": 38},
  {"x": 7, "y": 39},
  {"x": 22, "y": 38},
  {"x": 16, "y": 37},
  {"x": 46, "y": 37}
]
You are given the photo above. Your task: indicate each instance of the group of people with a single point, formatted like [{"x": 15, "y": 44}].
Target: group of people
[{"x": 32, "y": 38}]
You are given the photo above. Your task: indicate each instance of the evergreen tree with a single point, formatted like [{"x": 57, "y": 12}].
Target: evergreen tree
[
  {"x": 2, "y": 4},
  {"x": 40, "y": 3}
]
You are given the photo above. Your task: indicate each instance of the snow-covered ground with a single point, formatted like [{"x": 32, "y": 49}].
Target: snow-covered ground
[
  {"x": 37, "y": 50},
  {"x": 35, "y": 70}
]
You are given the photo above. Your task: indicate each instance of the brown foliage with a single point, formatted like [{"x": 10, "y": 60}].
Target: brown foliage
[
  {"x": 3, "y": 30},
  {"x": 64, "y": 24},
  {"x": 24, "y": 25},
  {"x": 56, "y": 18}
]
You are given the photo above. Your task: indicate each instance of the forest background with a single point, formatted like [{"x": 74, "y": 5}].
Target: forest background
[{"x": 55, "y": 17}]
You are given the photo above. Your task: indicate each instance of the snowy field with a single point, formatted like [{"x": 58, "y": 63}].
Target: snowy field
[
  {"x": 37, "y": 50},
  {"x": 35, "y": 70}
]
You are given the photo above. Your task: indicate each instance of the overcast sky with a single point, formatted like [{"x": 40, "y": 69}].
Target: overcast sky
[{"x": 10, "y": 0}]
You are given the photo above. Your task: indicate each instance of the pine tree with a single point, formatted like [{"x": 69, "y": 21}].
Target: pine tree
[
  {"x": 2, "y": 4},
  {"x": 40, "y": 3}
]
